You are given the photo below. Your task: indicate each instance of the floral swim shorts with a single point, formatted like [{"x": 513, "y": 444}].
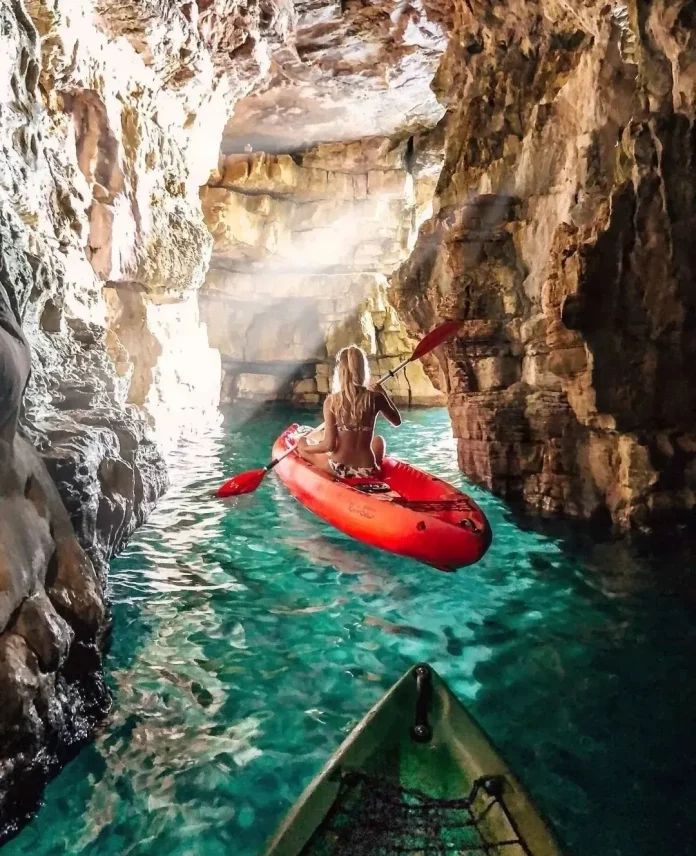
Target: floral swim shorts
[{"x": 343, "y": 471}]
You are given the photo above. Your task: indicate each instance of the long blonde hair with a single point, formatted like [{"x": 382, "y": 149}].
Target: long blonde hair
[{"x": 351, "y": 399}]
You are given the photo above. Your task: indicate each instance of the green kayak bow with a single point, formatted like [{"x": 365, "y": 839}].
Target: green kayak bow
[{"x": 416, "y": 776}]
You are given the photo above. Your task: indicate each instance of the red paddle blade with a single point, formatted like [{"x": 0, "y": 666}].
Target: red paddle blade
[
  {"x": 243, "y": 483},
  {"x": 436, "y": 337}
]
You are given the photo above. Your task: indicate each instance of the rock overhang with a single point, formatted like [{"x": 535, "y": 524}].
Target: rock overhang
[{"x": 351, "y": 70}]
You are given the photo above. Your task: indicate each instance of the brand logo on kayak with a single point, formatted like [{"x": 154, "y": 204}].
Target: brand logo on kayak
[{"x": 361, "y": 511}]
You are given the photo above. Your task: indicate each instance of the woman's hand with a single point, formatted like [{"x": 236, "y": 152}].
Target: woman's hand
[{"x": 387, "y": 407}]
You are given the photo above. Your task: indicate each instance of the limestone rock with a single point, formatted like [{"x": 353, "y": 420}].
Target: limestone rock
[
  {"x": 117, "y": 148},
  {"x": 52, "y": 614},
  {"x": 14, "y": 373},
  {"x": 387, "y": 51},
  {"x": 174, "y": 374},
  {"x": 20, "y": 685},
  {"x": 259, "y": 387},
  {"x": 24, "y": 532},
  {"x": 43, "y": 714},
  {"x": 47, "y": 634},
  {"x": 560, "y": 237},
  {"x": 302, "y": 245}
]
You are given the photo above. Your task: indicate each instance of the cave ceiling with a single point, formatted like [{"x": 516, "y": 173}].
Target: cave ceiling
[{"x": 350, "y": 69}]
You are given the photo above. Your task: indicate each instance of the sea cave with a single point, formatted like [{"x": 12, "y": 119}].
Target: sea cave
[{"x": 224, "y": 219}]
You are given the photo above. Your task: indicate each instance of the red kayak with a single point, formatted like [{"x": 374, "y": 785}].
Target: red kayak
[{"x": 405, "y": 510}]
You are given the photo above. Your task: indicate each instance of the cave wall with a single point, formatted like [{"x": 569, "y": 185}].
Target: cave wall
[
  {"x": 110, "y": 120},
  {"x": 303, "y": 245},
  {"x": 562, "y": 237}
]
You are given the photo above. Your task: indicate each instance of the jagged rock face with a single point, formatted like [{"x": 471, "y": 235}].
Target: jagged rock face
[
  {"x": 110, "y": 120},
  {"x": 352, "y": 70},
  {"x": 562, "y": 237},
  {"x": 242, "y": 34},
  {"x": 135, "y": 98},
  {"x": 302, "y": 248},
  {"x": 52, "y": 622},
  {"x": 52, "y": 611}
]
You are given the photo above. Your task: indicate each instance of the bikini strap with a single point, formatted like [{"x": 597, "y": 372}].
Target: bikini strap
[{"x": 356, "y": 428}]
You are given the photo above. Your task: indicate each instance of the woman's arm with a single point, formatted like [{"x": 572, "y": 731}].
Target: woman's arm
[
  {"x": 328, "y": 444},
  {"x": 386, "y": 407}
]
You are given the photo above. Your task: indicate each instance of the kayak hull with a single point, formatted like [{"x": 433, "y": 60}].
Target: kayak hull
[
  {"x": 420, "y": 516},
  {"x": 456, "y": 764}
]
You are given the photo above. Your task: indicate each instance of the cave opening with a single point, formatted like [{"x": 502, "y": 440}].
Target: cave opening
[
  {"x": 323, "y": 181},
  {"x": 303, "y": 249}
]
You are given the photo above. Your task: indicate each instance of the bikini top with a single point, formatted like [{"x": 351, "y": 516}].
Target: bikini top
[{"x": 355, "y": 428}]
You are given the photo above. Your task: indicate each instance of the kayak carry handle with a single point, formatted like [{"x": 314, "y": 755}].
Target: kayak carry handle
[
  {"x": 493, "y": 785},
  {"x": 421, "y": 731}
]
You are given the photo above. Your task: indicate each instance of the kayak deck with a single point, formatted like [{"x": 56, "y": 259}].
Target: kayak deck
[
  {"x": 417, "y": 776},
  {"x": 403, "y": 510},
  {"x": 372, "y": 816}
]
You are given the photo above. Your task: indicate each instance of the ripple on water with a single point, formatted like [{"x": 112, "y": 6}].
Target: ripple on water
[{"x": 249, "y": 638}]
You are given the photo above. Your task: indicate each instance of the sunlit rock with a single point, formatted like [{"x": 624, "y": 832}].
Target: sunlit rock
[
  {"x": 302, "y": 249},
  {"x": 174, "y": 375},
  {"x": 387, "y": 51}
]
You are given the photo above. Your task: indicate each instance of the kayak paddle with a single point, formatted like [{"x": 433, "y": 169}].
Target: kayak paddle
[{"x": 248, "y": 481}]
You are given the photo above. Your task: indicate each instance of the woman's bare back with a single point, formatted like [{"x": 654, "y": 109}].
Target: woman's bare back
[
  {"x": 354, "y": 444},
  {"x": 349, "y": 446}
]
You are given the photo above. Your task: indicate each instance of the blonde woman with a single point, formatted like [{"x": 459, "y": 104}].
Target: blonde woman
[{"x": 349, "y": 447}]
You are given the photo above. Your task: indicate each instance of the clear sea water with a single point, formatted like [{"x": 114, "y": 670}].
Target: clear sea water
[{"x": 250, "y": 637}]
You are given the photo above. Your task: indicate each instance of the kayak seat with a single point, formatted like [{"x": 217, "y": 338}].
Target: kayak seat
[
  {"x": 401, "y": 819},
  {"x": 368, "y": 486},
  {"x": 457, "y": 503}
]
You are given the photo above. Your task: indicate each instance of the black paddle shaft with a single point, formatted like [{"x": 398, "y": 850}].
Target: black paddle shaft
[{"x": 421, "y": 731}]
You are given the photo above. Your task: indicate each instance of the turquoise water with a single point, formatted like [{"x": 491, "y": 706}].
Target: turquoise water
[{"x": 250, "y": 637}]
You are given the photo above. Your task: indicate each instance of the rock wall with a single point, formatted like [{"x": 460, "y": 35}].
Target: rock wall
[
  {"x": 52, "y": 624},
  {"x": 303, "y": 245},
  {"x": 110, "y": 120},
  {"x": 563, "y": 238}
]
